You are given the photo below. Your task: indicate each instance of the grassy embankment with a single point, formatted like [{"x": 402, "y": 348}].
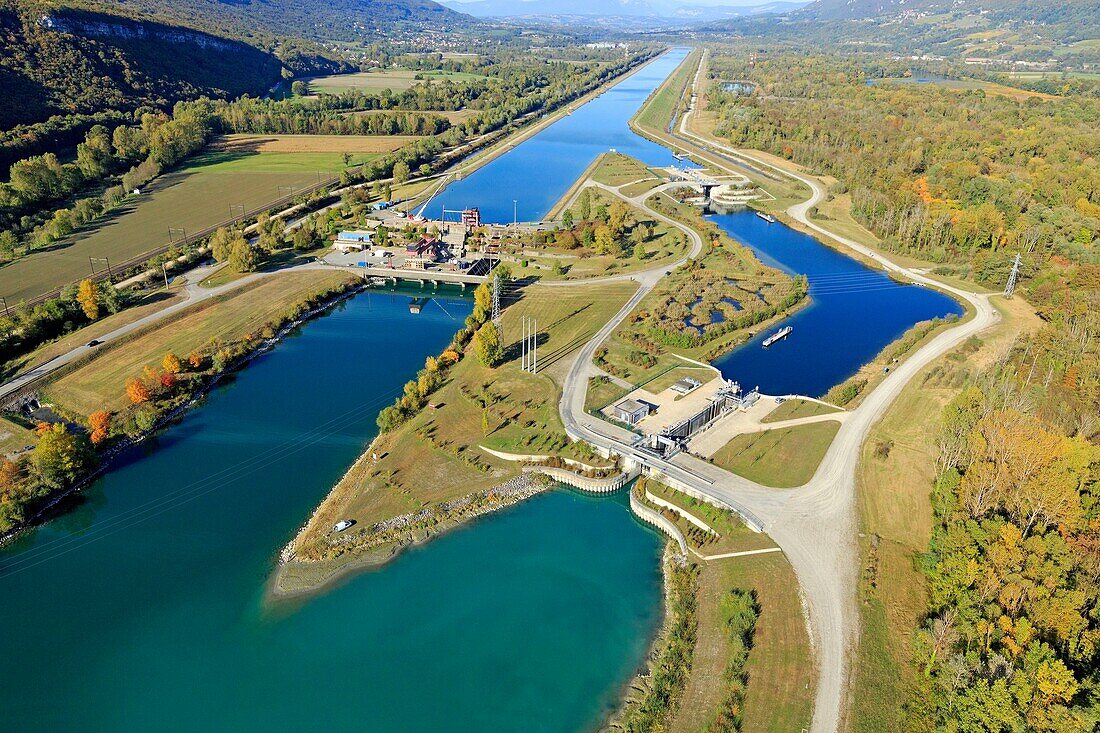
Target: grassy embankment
[
  {"x": 436, "y": 458},
  {"x": 209, "y": 190},
  {"x": 782, "y": 457},
  {"x": 99, "y": 381},
  {"x": 780, "y": 670},
  {"x": 145, "y": 304},
  {"x": 794, "y": 409},
  {"x": 896, "y": 471}
]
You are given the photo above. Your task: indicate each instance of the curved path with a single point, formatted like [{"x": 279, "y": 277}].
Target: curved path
[{"x": 816, "y": 524}]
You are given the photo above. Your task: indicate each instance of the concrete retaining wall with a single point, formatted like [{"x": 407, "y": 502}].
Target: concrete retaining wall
[
  {"x": 584, "y": 483},
  {"x": 652, "y": 517},
  {"x": 751, "y": 520}
]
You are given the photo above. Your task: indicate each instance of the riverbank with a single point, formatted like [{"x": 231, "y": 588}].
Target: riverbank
[
  {"x": 123, "y": 437},
  {"x": 381, "y": 543},
  {"x": 437, "y": 456}
]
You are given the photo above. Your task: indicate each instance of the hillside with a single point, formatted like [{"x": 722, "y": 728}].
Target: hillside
[
  {"x": 73, "y": 61},
  {"x": 657, "y": 9},
  {"x": 1057, "y": 34},
  {"x": 317, "y": 20}
]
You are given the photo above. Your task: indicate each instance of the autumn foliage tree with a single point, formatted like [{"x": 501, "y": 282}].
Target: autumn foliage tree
[
  {"x": 60, "y": 457},
  {"x": 137, "y": 391},
  {"x": 100, "y": 425},
  {"x": 171, "y": 363},
  {"x": 88, "y": 297},
  {"x": 1012, "y": 634}
]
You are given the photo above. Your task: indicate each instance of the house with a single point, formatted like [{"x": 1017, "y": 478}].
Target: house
[
  {"x": 632, "y": 411},
  {"x": 427, "y": 248},
  {"x": 353, "y": 241}
]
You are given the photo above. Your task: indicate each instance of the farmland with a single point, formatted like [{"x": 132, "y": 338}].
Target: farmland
[
  {"x": 207, "y": 191},
  {"x": 395, "y": 80}
]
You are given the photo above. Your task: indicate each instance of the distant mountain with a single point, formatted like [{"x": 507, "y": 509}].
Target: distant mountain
[
  {"x": 1034, "y": 11},
  {"x": 318, "y": 20},
  {"x": 660, "y": 9}
]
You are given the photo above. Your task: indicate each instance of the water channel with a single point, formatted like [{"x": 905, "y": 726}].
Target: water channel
[{"x": 142, "y": 608}]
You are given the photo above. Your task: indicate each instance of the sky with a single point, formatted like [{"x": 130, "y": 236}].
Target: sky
[{"x": 721, "y": 3}]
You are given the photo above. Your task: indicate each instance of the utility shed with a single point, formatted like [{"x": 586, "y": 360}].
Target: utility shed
[
  {"x": 631, "y": 411},
  {"x": 686, "y": 385}
]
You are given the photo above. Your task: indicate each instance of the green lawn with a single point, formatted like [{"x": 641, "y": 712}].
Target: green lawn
[
  {"x": 793, "y": 409},
  {"x": 14, "y": 437},
  {"x": 782, "y": 458},
  {"x": 616, "y": 169},
  {"x": 601, "y": 393}
]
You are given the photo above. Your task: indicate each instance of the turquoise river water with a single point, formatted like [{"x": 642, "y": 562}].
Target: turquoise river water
[{"x": 143, "y": 607}]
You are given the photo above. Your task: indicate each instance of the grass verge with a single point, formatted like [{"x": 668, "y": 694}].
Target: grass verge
[{"x": 782, "y": 458}]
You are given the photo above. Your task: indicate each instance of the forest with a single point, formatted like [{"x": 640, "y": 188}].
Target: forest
[
  {"x": 1013, "y": 618},
  {"x": 962, "y": 178}
]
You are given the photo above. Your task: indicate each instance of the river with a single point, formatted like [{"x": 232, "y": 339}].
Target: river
[{"x": 142, "y": 608}]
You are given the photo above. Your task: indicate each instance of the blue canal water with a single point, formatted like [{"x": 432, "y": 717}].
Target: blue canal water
[
  {"x": 539, "y": 170},
  {"x": 143, "y": 607},
  {"x": 854, "y": 312}
]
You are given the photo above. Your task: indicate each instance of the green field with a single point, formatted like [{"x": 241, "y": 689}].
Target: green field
[
  {"x": 251, "y": 162},
  {"x": 792, "y": 409},
  {"x": 395, "y": 80},
  {"x": 206, "y": 193},
  {"x": 100, "y": 383},
  {"x": 658, "y": 111},
  {"x": 783, "y": 458}
]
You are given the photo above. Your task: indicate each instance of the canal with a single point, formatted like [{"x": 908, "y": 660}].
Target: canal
[{"x": 143, "y": 606}]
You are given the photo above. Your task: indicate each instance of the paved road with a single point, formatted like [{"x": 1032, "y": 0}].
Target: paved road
[
  {"x": 193, "y": 293},
  {"x": 816, "y": 524}
]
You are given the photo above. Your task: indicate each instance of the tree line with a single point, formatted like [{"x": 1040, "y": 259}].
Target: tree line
[
  {"x": 131, "y": 155},
  {"x": 961, "y": 177}
]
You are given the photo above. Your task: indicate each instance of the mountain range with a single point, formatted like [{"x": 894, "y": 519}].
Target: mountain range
[{"x": 656, "y": 9}]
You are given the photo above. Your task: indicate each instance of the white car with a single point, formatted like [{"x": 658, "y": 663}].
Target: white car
[{"x": 342, "y": 525}]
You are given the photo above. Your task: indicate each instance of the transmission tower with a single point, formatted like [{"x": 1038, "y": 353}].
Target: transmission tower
[{"x": 1011, "y": 286}]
